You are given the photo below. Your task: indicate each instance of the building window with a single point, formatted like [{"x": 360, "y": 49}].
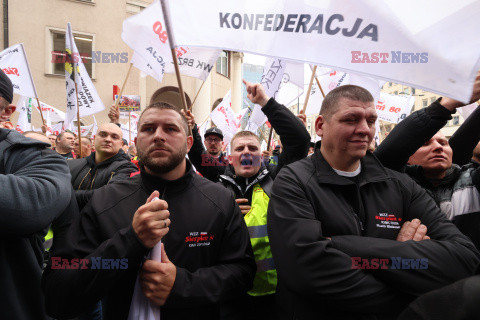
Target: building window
[
  {"x": 455, "y": 121},
  {"x": 395, "y": 92},
  {"x": 84, "y": 45},
  {"x": 135, "y": 6},
  {"x": 432, "y": 99},
  {"x": 425, "y": 102},
  {"x": 413, "y": 90},
  {"x": 223, "y": 64},
  {"x": 389, "y": 84}
]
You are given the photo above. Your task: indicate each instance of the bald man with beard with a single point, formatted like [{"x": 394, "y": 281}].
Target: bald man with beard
[{"x": 107, "y": 164}]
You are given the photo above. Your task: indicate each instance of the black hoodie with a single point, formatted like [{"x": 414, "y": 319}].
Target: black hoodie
[
  {"x": 207, "y": 242},
  {"x": 87, "y": 175}
]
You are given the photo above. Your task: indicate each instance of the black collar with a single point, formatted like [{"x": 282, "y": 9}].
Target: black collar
[{"x": 152, "y": 183}]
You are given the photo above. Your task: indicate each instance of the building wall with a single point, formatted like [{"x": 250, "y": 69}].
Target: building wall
[{"x": 29, "y": 23}]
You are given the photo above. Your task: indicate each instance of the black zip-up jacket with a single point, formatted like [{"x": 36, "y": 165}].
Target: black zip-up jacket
[
  {"x": 295, "y": 140},
  {"x": 457, "y": 193},
  {"x": 208, "y": 242},
  {"x": 87, "y": 175},
  {"x": 310, "y": 202},
  {"x": 35, "y": 190}
]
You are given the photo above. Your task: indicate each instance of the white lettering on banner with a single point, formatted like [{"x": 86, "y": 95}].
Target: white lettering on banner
[
  {"x": 298, "y": 23},
  {"x": 325, "y": 33}
]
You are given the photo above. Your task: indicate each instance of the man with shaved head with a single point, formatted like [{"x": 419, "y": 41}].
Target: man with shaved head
[{"x": 107, "y": 164}]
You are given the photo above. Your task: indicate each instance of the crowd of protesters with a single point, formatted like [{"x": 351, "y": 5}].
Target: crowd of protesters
[{"x": 326, "y": 231}]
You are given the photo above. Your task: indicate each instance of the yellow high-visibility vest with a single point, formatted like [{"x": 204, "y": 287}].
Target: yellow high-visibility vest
[{"x": 265, "y": 281}]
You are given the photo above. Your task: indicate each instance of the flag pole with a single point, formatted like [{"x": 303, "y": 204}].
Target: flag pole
[
  {"x": 129, "y": 127},
  {"x": 123, "y": 87},
  {"x": 318, "y": 82},
  {"x": 195, "y": 99},
  {"x": 179, "y": 80},
  {"x": 33, "y": 85},
  {"x": 269, "y": 139},
  {"x": 309, "y": 89},
  {"x": 171, "y": 41},
  {"x": 78, "y": 117}
]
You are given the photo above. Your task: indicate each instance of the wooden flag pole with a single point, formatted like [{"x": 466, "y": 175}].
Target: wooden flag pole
[
  {"x": 269, "y": 139},
  {"x": 129, "y": 127},
  {"x": 33, "y": 85},
  {"x": 179, "y": 80},
  {"x": 195, "y": 99},
  {"x": 78, "y": 119},
  {"x": 123, "y": 87},
  {"x": 309, "y": 89},
  {"x": 318, "y": 82},
  {"x": 40, "y": 110}
]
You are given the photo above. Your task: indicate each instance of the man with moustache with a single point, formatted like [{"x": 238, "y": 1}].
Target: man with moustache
[
  {"x": 207, "y": 259},
  {"x": 108, "y": 164}
]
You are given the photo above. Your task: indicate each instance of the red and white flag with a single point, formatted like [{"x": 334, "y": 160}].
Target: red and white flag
[{"x": 13, "y": 61}]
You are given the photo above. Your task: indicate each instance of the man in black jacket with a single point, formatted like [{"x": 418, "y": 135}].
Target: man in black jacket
[
  {"x": 106, "y": 165},
  {"x": 443, "y": 168},
  {"x": 35, "y": 190},
  {"x": 339, "y": 212},
  {"x": 207, "y": 259},
  {"x": 212, "y": 161}
]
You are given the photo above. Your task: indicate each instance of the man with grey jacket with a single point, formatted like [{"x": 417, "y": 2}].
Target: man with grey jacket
[{"x": 35, "y": 189}]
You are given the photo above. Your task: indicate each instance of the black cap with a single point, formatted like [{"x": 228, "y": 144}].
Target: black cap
[
  {"x": 125, "y": 142},
  {"x": 6, "y": 87},
  {"x": 214, "y": 130}
]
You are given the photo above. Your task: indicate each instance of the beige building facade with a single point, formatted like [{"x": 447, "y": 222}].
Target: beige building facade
[{"x": 97, "y": 27}]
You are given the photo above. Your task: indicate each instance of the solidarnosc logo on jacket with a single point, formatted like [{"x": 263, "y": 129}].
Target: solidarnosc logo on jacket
[
  {"x": 392, "y": 263},
  {"x": 97, "y": 263}
]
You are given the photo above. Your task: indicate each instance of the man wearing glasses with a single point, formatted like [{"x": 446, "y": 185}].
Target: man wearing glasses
[{"x": 211, "y": 162}]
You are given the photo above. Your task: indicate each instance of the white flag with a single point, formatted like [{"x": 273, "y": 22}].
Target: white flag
[
  {"x": 142, "y": 65},
  {"x": 271, "y": 80},
  {"x": 194, "y": 62},
  {"x": 292, "y": 83},
  {"x": 329, "y": 81},
  {"x": 146, "y": 34},
  {"x": 394, "y": 108},
  {"x": 24, "y": 122},
  {"x": 334, "y": 79},
  {"x": 88, "y": 100},
  {"x": 95, "y": 127},
  {"x": 388, "y": 40},
  {"x": 224, "y": 118},
  {"x": 50, "y": 112},
  {"x": 466, "y": 111},
  {"x": 238, "y": 117},
  {"x": 14, "y": 63},
  {"x": 83, "y": 129}
]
